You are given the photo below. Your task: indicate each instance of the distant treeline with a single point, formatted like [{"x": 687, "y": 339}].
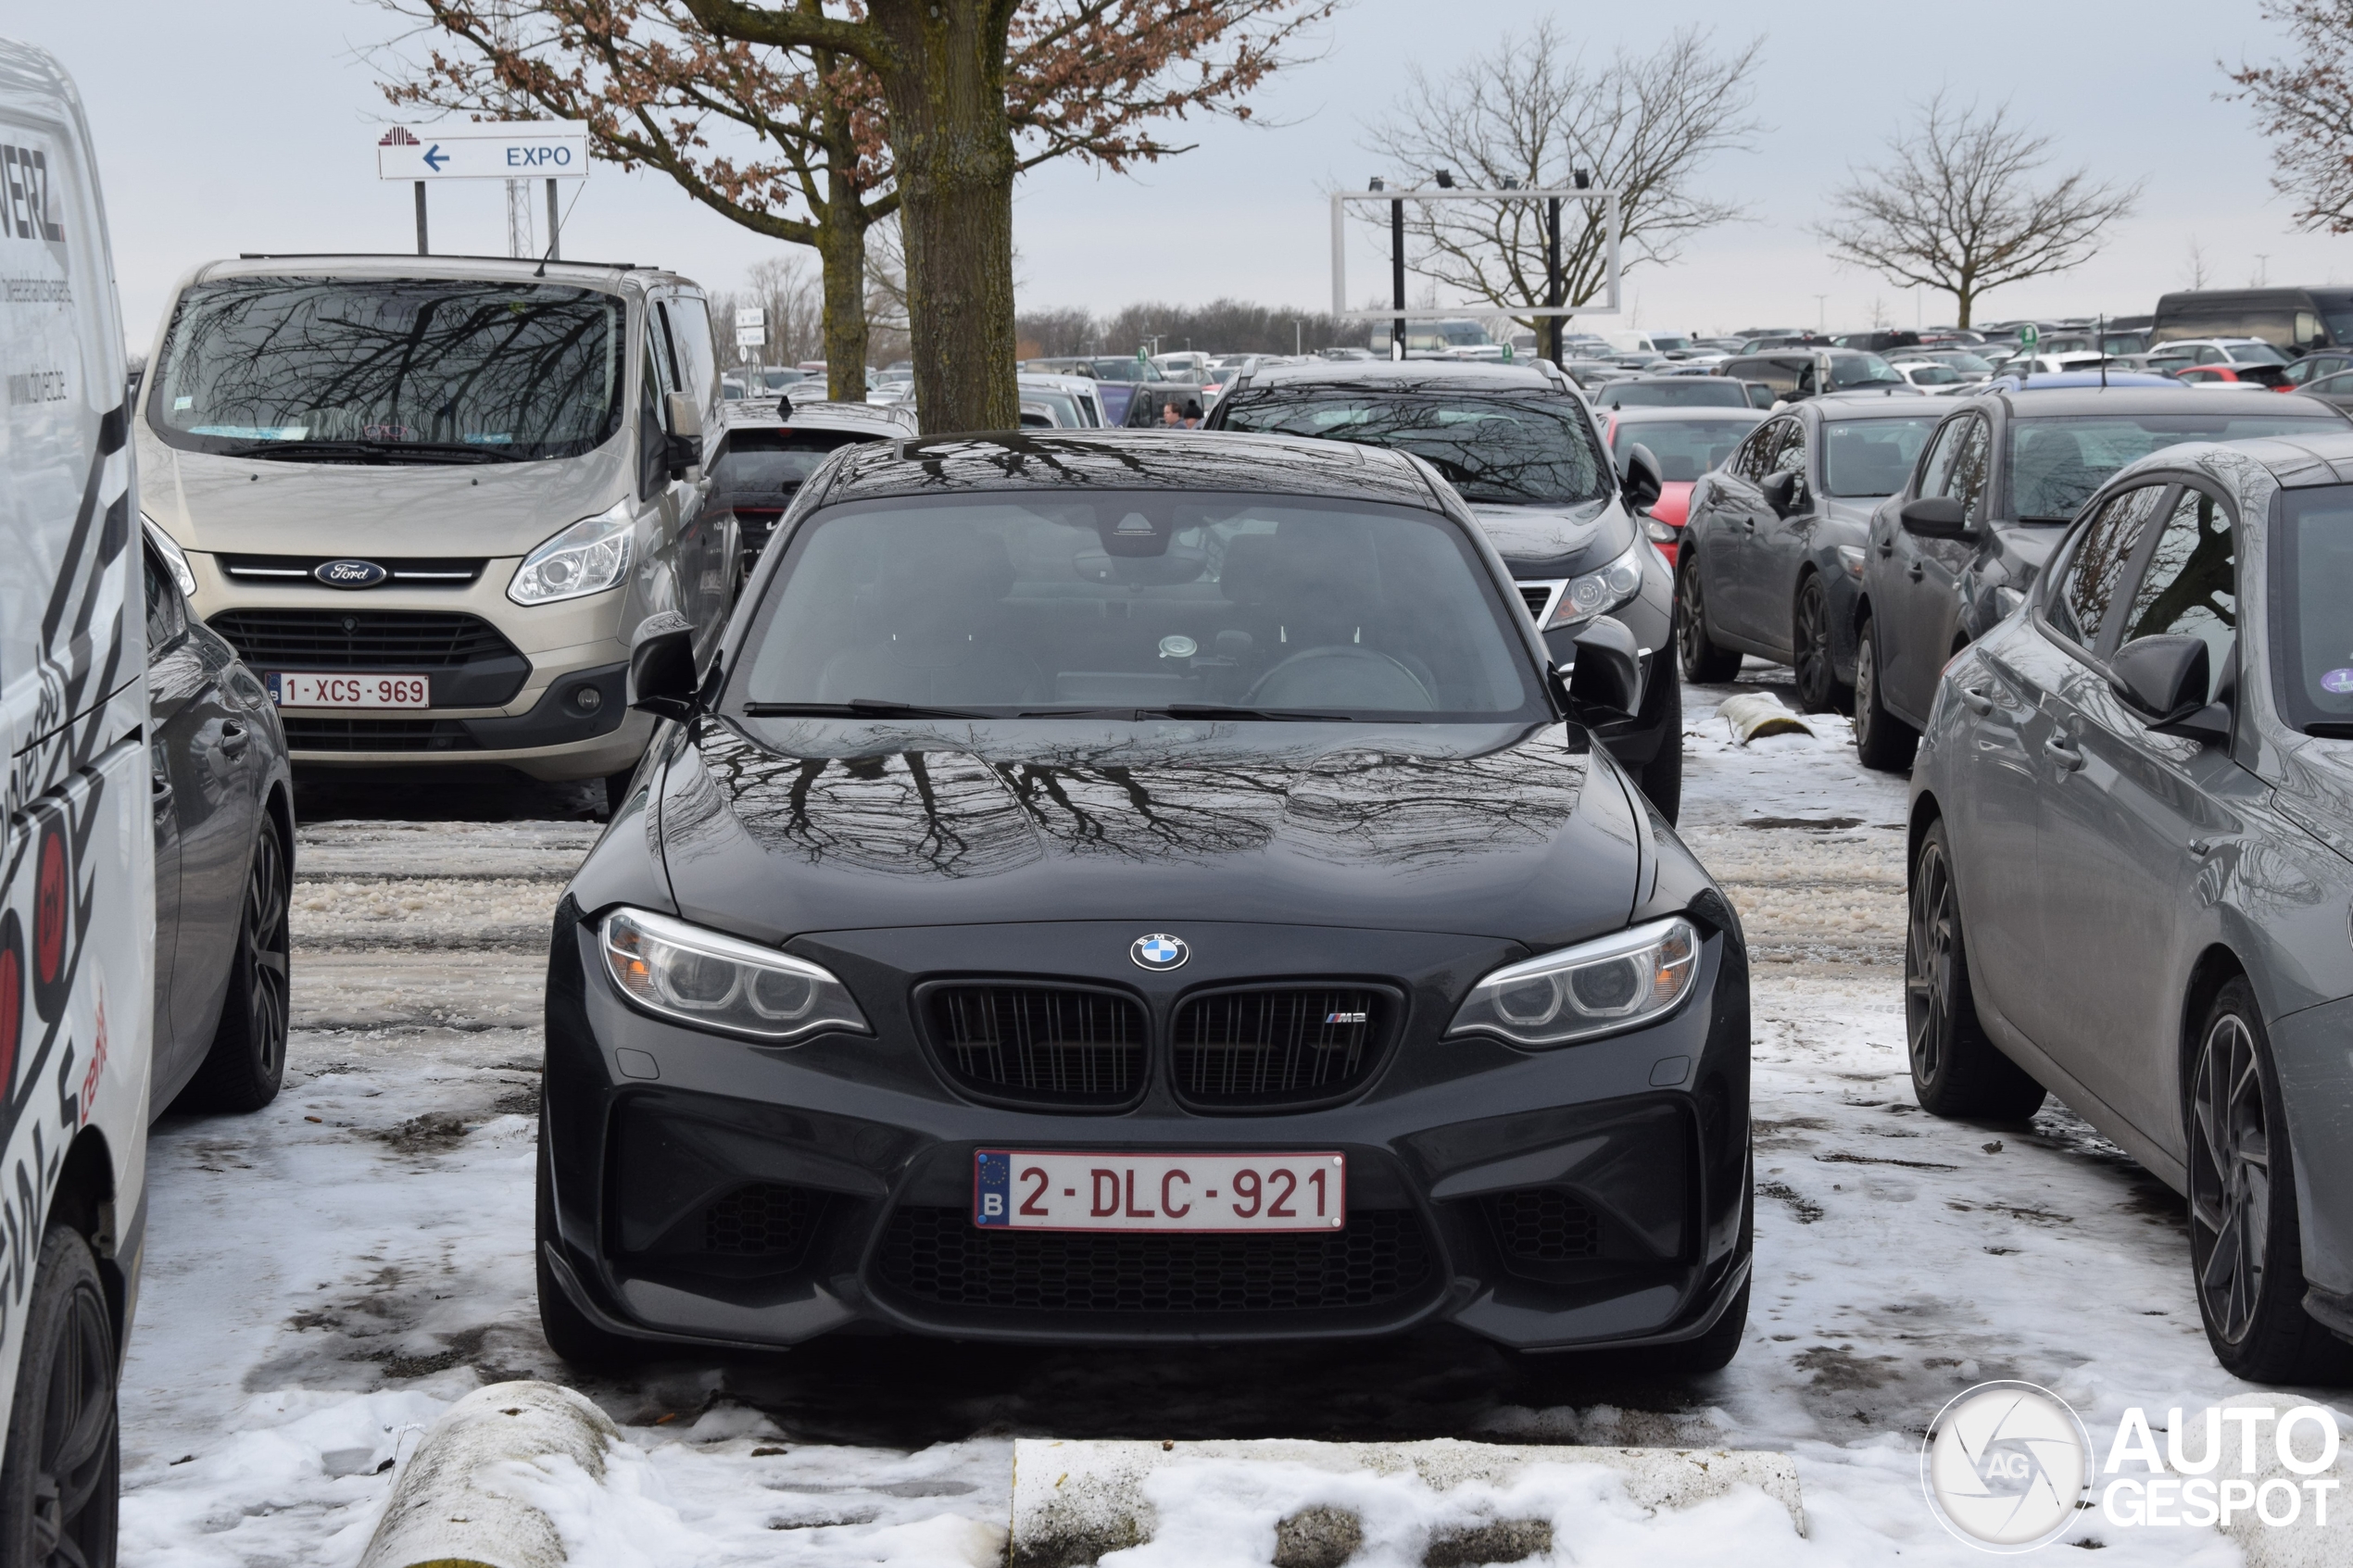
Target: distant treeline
[{"x": 1222, "y": 326}]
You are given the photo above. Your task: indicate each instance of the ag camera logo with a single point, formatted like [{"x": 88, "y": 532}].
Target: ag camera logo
[{"x": 2007, "y": 1466}]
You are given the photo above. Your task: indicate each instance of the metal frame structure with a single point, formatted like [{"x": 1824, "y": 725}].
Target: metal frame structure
[{"x": 1553, "y": 285}]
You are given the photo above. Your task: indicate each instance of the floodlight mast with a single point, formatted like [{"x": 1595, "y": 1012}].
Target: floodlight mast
[{"x": 1555, "y": 284}]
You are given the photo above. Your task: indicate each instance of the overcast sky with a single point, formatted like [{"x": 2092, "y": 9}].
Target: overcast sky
[{"x": 251, "y": 126}]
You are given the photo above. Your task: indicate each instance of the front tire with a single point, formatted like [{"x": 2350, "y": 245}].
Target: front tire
[
  {"x": 59, "y": 1485},
  {"x": 248, "y": 1061},
  {"x": 1818, "y": 689},
  {"x": 1881, "y": 740},
  {"x": 1702, "y": 661},
  {"x": 2246, "y": 1258},
  {"x": 1956, "y": 1072}
]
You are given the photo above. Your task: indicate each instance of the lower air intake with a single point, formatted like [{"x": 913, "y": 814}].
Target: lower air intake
[
  {"x": 764, "y": 1221},
  {"x": 1543, "y": 1225}
]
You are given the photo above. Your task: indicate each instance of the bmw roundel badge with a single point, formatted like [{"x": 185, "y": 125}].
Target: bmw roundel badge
[
  {"x": 1159, "y": 951},
  {"x": 349, "y": 573}
]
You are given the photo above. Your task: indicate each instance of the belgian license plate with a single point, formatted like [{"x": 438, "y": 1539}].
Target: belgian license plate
[
  {"x": 1017, "y": 1189},
  {"x": 351, "y": 691}
]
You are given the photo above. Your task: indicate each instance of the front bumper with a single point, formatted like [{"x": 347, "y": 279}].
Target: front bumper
[{"x": 716, "y": 1192}]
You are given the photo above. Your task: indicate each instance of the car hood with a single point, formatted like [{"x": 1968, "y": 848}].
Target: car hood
[
  {"x": 1556, "y": 541},
  {"x": 786, "y": 827},
  {"x": 272, "y": 505}
]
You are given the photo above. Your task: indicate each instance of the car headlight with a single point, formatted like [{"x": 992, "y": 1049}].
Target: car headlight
[
  {"x": 1599, "y": 987},
  {"x": 1599, "y": 592},
  {"x": 711, "y": 981},
  {"x": 173, "y": 555},
  {"x": 588, "y": 558},
  {"x": 1851, "y": 558}
]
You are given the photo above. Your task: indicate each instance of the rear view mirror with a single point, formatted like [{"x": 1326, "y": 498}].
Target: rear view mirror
[
  {"x": 1606, "y": 681},
  {"x": 1936, "y": 517},
  {"x": 662, "y": 666},
  {"x": 682, "y": 450},
  {"x": 2164, "y": 679},
  {"x": 1781, "y": 492},
  {"x": 1646, "y": 481}
]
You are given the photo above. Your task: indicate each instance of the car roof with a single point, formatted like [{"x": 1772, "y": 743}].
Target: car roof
[
  {"x": 397, "y": 265},
  {"x": 882, "y": 420},
  {"x": 1124, "y": 460},
  {"x": 2089, "y": 397},
  {"x": 1497, "y": 375},
  {"x": 1843, "y": 408},
  {"x": 1650, "y": 413},
  {"x": 2294, "y": 461}
]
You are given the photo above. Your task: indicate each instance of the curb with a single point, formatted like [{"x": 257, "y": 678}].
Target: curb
[
  {"x": 442, "y": 1514},
  {"x": 1073, "y": 1501}
]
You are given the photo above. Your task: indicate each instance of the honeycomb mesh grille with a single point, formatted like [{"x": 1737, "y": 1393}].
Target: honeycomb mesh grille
[
  {"x": 939, "y": 1256},
  {"x": 761, "y": 1220},
  {"x": 361, "y": 639},
  {"x": 1263, "y": 1047},
  {"x": 1056, "y": 1046},
  {"x": 1543, "y": 1225}
]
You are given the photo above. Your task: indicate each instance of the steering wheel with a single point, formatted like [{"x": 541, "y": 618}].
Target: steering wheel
[{"x": 1341, "y": 675}]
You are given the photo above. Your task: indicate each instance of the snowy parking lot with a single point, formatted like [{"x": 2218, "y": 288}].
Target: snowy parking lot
[{"x": 326, "y": 1275}]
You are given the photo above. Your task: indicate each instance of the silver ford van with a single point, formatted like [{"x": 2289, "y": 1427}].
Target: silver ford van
[{"x": 429, "y": 498}]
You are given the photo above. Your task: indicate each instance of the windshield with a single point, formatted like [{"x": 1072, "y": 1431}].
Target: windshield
[
  {"x": 1125, "y": 369},
  {"x": 2313, "y": 585},
  {"x": 775, "y": 460},
  {"x": 417, "y": 369},
  {"x": 1534, "y": 449},
  {"x": 1871, "y": 456},
  {"x": 1933, "y": 375},
  {"x": 1682, "y": 392},
  {"x": 1000, "y": 606},
  {"x": 1862, "y": 370},
  {"x": 1685, "y": 448},
  {"x": 2256, "y": 354},
  {"x": 2057, "y": 462}
]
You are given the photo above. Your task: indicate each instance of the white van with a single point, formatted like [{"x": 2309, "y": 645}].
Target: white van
[
  {"x": 430, "y": 499},
  {"x": 77, "y": 869}
]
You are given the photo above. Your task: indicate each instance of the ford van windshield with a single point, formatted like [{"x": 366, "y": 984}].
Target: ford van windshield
[{"x": 391, "y": 370}]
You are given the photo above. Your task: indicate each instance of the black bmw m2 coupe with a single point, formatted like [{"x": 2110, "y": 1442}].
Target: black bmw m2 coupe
[{"x": 1140, "y": 888}]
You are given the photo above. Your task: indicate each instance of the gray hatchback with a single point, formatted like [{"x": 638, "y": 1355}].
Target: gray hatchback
[{"x": 2135, "y": 799}]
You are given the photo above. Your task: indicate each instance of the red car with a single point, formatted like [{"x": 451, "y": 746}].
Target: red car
[{"x": 1687, "y": 443}]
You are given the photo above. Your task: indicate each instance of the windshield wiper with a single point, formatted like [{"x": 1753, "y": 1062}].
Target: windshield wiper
[
  {"x": 1218, "y": 710},
  {"x": 2330, "y": 729},
  {"x": 856, "y": 707},
  {"x": 369, "y": 451}
]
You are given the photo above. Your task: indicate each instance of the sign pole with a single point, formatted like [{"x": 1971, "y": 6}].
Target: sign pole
[
  {"x": 1553, "y": 289},
  {"x": 555, "y": 239},
  {"x": 1397, "y": 277},
  {"x": 422, "y": 249}
]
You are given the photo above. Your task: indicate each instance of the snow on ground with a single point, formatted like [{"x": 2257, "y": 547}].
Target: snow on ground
[{"x": 325, "y": 1276}]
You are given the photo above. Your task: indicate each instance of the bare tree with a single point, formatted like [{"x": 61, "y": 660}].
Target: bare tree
[
  {"x": 2304, "y": 106},
  {"x": 1532, "y": 111},
  {"x": 792, "y": 302},
  {"x": 1955, "y": 207},
  {"x": 2195, "y": 272}
]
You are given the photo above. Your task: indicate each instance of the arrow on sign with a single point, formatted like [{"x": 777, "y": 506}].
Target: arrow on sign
[{"x": 435, "y": 158}]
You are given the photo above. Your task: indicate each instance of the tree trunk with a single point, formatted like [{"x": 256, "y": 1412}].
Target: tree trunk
[
  {"x": 954, "y": 154},
  {"x": 841, "y": 246}
]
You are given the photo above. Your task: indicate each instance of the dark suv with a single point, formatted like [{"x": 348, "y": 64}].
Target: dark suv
[
  {"x": 1522, "y": 448},
  {"x": 1808, "y": 373},
  {"x": 1952, "y": 553}
]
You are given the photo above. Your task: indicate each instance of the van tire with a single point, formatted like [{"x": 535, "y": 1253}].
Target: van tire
[{"x": 59, "y": 1484}]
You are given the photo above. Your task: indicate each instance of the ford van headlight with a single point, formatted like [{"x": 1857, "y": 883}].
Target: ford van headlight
[
  {"x": 709, "y": 981},
  {"x": 588, "y": 558},
  {"x": 1599, "y": 987},
  {"x": 172, "y": 554},
  {"x": 1597, "y": 592}
]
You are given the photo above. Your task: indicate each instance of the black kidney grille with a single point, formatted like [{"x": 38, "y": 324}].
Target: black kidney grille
[
  {"x": 939, "y": 1256},
  {"x": 1270, "y": 1046},
  {"x": 764, "y": 1221},
  {"x": 377, "y": 735},
  {"x": 1053, "y": 1045},
  {"x": 1543, "y": 1225},
  {"x": 361, "y": 639}
]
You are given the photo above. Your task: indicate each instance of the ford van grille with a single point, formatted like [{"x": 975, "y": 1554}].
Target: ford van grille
[{"x": 361, "y": 639}]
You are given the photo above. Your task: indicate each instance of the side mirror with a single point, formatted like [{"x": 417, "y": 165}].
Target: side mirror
[
  {"x": 662, "y": 666},
  {"x": 682, "y": 450},
  {"x": 1781, "y": 492},
  {"x": 1936, "y": 517},
  {"x": 2164, "y": 679},
  {"x": 1644, "y": 478},
  {"x": 1606, "y": 682}
]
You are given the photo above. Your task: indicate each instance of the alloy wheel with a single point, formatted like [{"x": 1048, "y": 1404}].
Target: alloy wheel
[
  {"x": 71, "y": 1521},
  {"x": 2230, "y": 1176},
  {"x": 1810, "y": 643},
  {"x": 1929, "y": 941},
  {"x": 267, "y": 940},
  {"x": 1691, "y": 623}
]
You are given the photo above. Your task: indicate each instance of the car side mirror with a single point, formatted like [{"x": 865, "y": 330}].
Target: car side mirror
[
  {"x": 2164, "y": 679},
  {"x": 662, "y": 667},
  {"x": 1781, "y": 492},
  {"x": 1646, "y": 481},
  {"x": 682, "y": 450},
  {"x": 1936, "y": 517},
  {"x": 1606, "y": 681}
]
